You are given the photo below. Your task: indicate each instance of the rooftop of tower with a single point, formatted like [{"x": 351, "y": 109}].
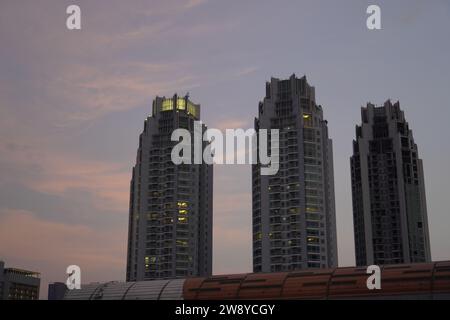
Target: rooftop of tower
[
  {"x": 176, "y": 103},
  {"x": 387, "y": 108}
]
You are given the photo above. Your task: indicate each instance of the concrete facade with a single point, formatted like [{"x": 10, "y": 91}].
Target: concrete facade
[
  {"x": 170, "y": 217},
  {"x": 388, "y": 189},
  {"x": 294, "y": 222}
]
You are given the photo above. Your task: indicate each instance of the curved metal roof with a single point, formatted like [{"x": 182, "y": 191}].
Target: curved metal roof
[
  {"x": 418, "y": 281},
  {"x": 171, "y": 289}
]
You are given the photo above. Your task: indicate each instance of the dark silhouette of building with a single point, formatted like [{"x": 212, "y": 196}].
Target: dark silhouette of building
[
  {"x": 56, "y": 291},
  {"x": 389, "y": 204},
  {"x": 170, "y": 222},
  {"x": 411, "y": 281},
  {"x": 18, "y": 284},
  {"x": 294, "y": 222}
]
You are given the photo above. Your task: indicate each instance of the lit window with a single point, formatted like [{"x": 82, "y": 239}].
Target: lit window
[
  {"x": 181, "y": 104},
  {"x": 167, "y": 104},
  {"x": 182, "y": 204},
  {"x": 307, "y": 120},
  {"x": 313, "y": 240},
  {"x": 191, "y": 109}
]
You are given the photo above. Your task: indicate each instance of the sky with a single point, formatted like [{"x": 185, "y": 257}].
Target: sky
[{"x": 72, "y": 105}]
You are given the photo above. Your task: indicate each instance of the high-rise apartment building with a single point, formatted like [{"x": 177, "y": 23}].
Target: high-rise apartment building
[
  {"x": 389, "y": 204},
  {"x": 294, "y": 222},
  {"x": 170, "y": 222}
]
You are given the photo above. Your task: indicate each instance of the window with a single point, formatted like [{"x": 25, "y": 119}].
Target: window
[
  {"x": 191, "y": 109},
  {"x": 182, "y": 204},
  {"x": 167, "y": 105},
  {"x": 181, "y": 104}
]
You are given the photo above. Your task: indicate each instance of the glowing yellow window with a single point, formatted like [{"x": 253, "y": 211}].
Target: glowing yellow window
[
  {"x": 182, "y": 219},
  {"x": 167, "y": 105},
  {"x": 306, "y": 116},
  {"x": 182, "y": 211},
  {"x": 181, "y": 104},
  {"x": 191, "y": 109},
  {"x": 313, "y": 240},
  {"x": 182, "y": 204}
]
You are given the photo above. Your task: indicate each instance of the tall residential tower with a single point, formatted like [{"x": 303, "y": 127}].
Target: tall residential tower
[
  {"x": 294, "y": 223},
  {"x": 389, "y": 205},
  {"x": 170, "y": 223}
]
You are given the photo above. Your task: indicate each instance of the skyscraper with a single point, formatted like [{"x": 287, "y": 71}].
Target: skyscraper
[
  {"x": 389, "y": 205},
  {"x": 294, "y": 222},
  {"x": 170, "y": 222}
]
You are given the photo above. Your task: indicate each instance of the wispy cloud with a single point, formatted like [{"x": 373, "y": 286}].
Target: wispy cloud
[
  {"x": 45, "y": 246},
  {"x": 54, "y": 172},
  {"x": 246, "y": 71}
]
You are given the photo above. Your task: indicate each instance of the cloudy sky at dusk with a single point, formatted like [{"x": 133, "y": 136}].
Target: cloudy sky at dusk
[{"x": 72, "y": 104}]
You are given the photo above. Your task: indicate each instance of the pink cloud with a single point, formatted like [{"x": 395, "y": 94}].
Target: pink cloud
[
  {"x": 232, "y": 242},
  {"x": 29, "y": 242},
  {"x": 58, "y": 172}
]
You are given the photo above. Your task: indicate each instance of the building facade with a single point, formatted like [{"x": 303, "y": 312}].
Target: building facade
[
  {"x": 170, "y": 216},
  {"x": 56, "y": 291},
  {"x": 388, "y": 189},
  {"x": 18, "y": 284},
  {"x": 294, "y": 222}
]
